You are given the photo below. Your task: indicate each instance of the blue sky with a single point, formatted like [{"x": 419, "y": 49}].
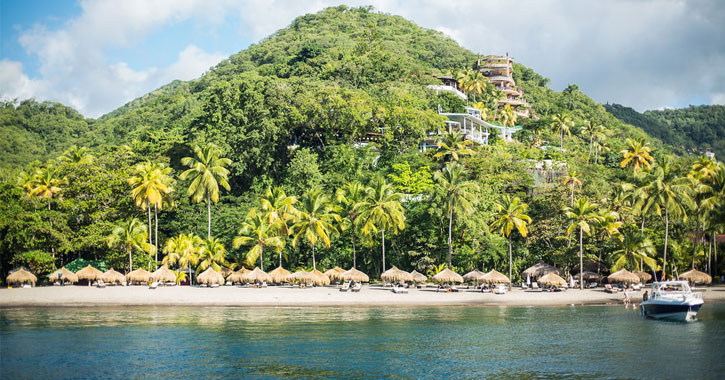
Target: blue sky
[{"x": 96, "y": 55}]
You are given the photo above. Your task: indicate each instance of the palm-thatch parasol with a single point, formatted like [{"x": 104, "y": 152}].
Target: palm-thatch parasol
[
  {"x": 589, "y": 276},
  {"x": 473, "y": 276},
  {"x": 66, "y": 276},
  {"x": 236, "y": 277},
  {"x": 623, "y": 276},
  {"x": 89, "y": 273},
  {"x": 540, "y": 269},
  {"x": 256, "y": 275},
  {"x": 112, "y": 276},
  {"x": 334, "y": 273},
  {"x": 643, "y": 276},
  {"x": 494, "y": 277},
  {"x": 226, "y": 272},
  {"x": 551, "y": 279},
  {"x": 139, "y": 275},
  {"x": 418, "y": 277},
  {"x": 323, "y": 279},
  {"x": 695, "y": 276},
  {"x": 20, "y": 276},
  {"x": 164, "y": 274},
  {"x": 354, "y": 275},
  {"x": 279, "y": 275},
  {"x": 394, "y": 274},
  {"x": 210, "y": 276},
  {"x": 447, "y": 275}
]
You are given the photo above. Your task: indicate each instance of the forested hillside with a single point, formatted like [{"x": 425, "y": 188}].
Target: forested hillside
[
  {"x": 694, "y": 129},
  {"x": 304, "y": 150}
]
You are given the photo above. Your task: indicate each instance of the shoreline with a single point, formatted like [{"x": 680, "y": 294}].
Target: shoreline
[{"x": 286, "y": 296}]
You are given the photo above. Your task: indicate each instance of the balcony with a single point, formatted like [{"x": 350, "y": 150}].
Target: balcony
[
  {"x": 523, "y": 113},
  {"x": 438, "y": 88},
  {"x": 501, "y": 78},
  {"x": 513, "y": 102}
]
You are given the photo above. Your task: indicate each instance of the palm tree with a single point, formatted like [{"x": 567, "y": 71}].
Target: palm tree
[
  {"x": 44, "y": 183},
  {"x": 484, "y": 110},
  {"x": 207, "y": 172},
  {"x": 76, "y": 155},
  {"x": 258, "y": 233},
  {"x": 510, "y": 213},
  {"x": 509, "y": 116},
  {"x": 562, "y": 122},
  {"x": 606, "y": 225},
  {"x": 476, "y": 83},
  {"x": 211, "y": 254},
  {"x": 572, "y": 180},
  {"x": 381, "y": 210},
  {"x": 150, "y": 188},
  {"x": 634, "y": 249},
  {"x": 314, "y": 221},
  {"x": 599, "y": 135},
  {"x": 279, "y": 209},
  {"x": 591, "y": 129},
  {"x": 636, "y": 154},
  {"x": 459, "y": 194},
  {"x": 348, "y": 197},
  {"x": 131, "y": 234},
  {"x": 580, "y": 215},
  {"x": 669, "y": 192},
  {"x": 453, "y": 145},
  {"x": 702, "y": 176},
  {"x": 183, "y": 250}
]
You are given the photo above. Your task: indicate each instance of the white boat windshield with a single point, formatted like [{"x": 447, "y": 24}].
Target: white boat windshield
[{"x": 670, "y": 288}]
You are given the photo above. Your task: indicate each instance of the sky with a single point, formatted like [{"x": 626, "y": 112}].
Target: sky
[{"x": 96, "y": 55}]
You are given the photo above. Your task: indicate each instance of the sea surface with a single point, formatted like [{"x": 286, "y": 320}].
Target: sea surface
[{"x": 576, "y": 342}]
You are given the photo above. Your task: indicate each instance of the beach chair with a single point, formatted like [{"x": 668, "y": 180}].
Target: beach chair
[
  {"x": 455, "y": 289},
  {"x": 399, "y": 290},
  {"x": 214, "y": 285},
  {"x": 592, "y": 285},
  {"x": 101, "y": 284},
  {"x": 609, "y": 289},
  {"x": 154, "y": 285},
  {"x": 356, "y": 288},
  {"x": 534, "y": 285},
  {"x": 264, "y": 285},
  {"x": 345, "y": 287}
]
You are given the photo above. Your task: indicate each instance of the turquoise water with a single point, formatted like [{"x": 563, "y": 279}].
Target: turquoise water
[{"x": 582, "y": 342}]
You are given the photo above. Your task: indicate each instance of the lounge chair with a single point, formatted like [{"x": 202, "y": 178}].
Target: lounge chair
[
  {"x": 455, "y": 289},
  {"x": 101, "y": 284},
  {"x": 345, "y": 287},
  {"x": 356, "y": 288},
  {"x": 400, "y": 290},
  {"x": 154, "y": 285},
  {"x": 534, "y": 285},
  {"x": 214, "y": 285},
  {"x": 592, "y": 285},
  {"x": 501, "y": 289},
  {"x": 609, "y": 289}
]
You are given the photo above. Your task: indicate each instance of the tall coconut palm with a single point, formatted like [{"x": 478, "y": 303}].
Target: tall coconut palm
[
  {"x": 606, "y": 225},
  {"x": 476, "y": 83},
  {"x": 702, "y": 176},
  {"x": 211, "y": 254},
  {"x": 580, "y": 215},
  {"x": 510, "y": 214},
  {"x": 207, "y": 172},
  {"x": 347, "y": 199},
  {"x": 46, "y": 183},
  {"x": 599, "y": 135},
  {"x": 460, "y": 196},
  {"x": 509, "y": 116},
  {"x": 315, "y": 220},
  {"x": 484, "y": 110},
  {"x": 129, "y": 235},
  {"x": 76, "y": 155},
  {"x": 634, "y": 248},
  {"x": 562, "y": 123},
  {"x": 183, "y": 250},
  {"x": 636, "y": 154},
  {"x": 279, "y": 209},
  {"x": 573, "y": 182},
  {"x": 258, "y": 233},
  {"x": 667, "y": 192},
  {"x": 381, "y": 210},
  {"x": 149, "y": 188},
  {"x": 166, "y": 199},
  {"x": 453, "y": 146}
]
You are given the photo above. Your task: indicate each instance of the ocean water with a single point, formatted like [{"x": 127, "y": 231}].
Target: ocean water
[{"x": 577, "y": 342}]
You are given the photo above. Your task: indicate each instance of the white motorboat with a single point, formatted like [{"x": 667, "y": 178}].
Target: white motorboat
[{"x": 672, "y": 300}]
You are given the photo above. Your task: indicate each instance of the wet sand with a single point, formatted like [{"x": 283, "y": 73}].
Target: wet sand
[{"x": 55, "y": 296}]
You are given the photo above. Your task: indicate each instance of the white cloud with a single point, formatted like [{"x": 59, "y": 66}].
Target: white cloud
[
  {"x": 191, "y": 63},
  {"x": 15, "y": 84}
]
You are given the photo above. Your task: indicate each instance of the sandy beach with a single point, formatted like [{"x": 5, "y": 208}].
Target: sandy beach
[{"x": 55, "y": 296}]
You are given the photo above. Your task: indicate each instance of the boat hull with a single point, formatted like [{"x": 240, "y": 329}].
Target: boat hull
[{"x": 671, "y": 311}]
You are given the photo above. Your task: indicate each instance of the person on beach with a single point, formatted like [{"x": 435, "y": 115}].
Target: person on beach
[
  {"x": 645, "y": 296},
  {"x": 626, "y": 297}
]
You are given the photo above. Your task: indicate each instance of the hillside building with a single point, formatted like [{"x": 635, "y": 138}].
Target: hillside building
[{"x": 499, "y": 70}]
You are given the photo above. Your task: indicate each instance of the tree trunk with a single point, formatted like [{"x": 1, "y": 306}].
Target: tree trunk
[
  {"x": 314, "y": 264},
  {"x": 709, "y": 252},
  {"x": 383, "y": 251},
  {"x": 561, "y": 140},
  {"x": 511, "y": 263},
  {"x": 261, "y": 259},
  {"x": 188, "y": 271},
  {"x": 641, "y": 260},
  {"x": 156, "y": 236},
  {"x": 354, "y": 258},
  {"x": 151, "y": 244},
  {"x": 697, "y": 239},
  {"x": 130, "y": 260},
  {"x": 280, "y": 259},
  {"x": 208, "y": 215},
  {"x": 591, "y": 140},
  {"x": 450, "y": 236},
  {"x": 571, "y": 204},
  {"x": 667, "y": 235},
  {"x": 50, "y": 220},
  {"x": 596, "y": 155},
  {"x": 581, "y": 258}
]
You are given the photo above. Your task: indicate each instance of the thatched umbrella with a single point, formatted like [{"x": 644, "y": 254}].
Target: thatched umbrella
[
  {"x": 164, "y": 274},
  {"x": 540, "y": 269},
  {"x": 394, "y": 274},
  {"x": 418, "y": 277},
  {"x": 279, "y": 275},
  {"x": 354, "y": 275},
  {"x": 21, "y": 275},
  {"x": 112, "y": 276},
  {"x": 89, "y": 273},
  {"x": 66, "y": 276},
  {"x": 623, "y": 276},
  {"x": 256, "y": 275},
  {"x": 473, "y": 276},
  {"x": 210, "y": 276},
  {"x": 695, "y": 276},
  {"x": 589, "y": 276},
  {"x": 643, "y": 276},
  {"x": 236, "y": 277},
  {"x": 308, "y": 277},
  {"x": 494, "y": 277},
  {"x": 447, "y": 275},
  {"x": 323, "y": 279},
  {"x": 226, "y": 272},
  {"x": 139, "y": 275},
  {"x": 551, "y": 279},
  {"x": 334, "y": 273}
]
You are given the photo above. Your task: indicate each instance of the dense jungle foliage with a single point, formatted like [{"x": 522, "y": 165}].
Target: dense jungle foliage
[{"x": 304, "y": 150}]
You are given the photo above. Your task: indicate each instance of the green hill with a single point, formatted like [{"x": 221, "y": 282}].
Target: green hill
[{"x": 694, "y": 129}]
